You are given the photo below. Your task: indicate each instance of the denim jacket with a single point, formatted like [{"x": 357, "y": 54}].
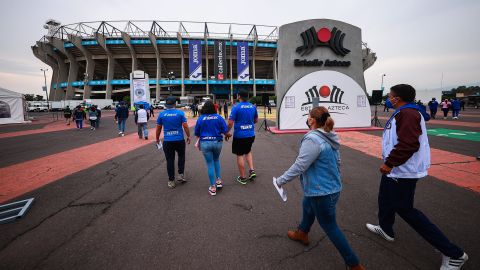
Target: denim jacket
[{"x": 317, "y": 164}]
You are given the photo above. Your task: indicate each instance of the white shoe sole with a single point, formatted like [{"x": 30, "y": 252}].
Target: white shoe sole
[{"x": 377, "y": 230}]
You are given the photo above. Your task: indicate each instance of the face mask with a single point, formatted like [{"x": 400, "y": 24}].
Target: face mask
[{"x": 389, "y": 104}]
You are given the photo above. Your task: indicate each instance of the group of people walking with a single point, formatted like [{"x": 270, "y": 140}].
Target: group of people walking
[
  {"x": 211, "y": 130},
  {"x": 406, "y": 159},
  {"x": 453, "y": 104},
  {"x": 79, "y": 114}
]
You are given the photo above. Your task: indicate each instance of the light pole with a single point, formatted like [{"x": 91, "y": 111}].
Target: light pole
[
  {"x": 383, "y": 75},
  {"x": 171, "y": 76},
  {"x": 45, "y": 86},
  {"x": 85, "y": 82}
]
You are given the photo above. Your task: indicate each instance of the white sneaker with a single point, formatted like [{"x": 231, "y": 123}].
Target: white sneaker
[
  {"x": 376, "y": 229},
  {"x": 181, "y": 178},
  {"x": 449, "y": 263},
  {"x": 123, "y": 134},
  {"x": 171, "y": 184}
]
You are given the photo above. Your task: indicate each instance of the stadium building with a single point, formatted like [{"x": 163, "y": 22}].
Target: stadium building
[{"x": 94, "y": 59}]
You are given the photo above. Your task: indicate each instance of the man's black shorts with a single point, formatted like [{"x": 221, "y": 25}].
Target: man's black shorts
[{"x": 242, "y": 146}]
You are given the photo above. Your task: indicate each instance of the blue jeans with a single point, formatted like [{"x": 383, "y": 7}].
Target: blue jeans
[
  {"x": 323, "y": 208},
  {"x": 455, "y": 112},
  {"x": 396, "y": 197},
  {"x": 79, "y": 123},
  {"x": 211, "y": 151},
  {"x": 142, "y": 130},
  {"x": 121, "y": 124}
]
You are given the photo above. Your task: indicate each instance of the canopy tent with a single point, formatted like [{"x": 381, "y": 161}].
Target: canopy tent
[{"x": 12, "y": 107}]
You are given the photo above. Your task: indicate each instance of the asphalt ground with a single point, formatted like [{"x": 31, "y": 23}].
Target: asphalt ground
[{"x": 120, "y": 214}]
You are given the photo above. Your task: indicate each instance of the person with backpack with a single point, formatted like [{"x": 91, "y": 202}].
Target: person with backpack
[
  {"x": 67, "y": 113},
  {"x": 318, "y": 165},
  {"x": 121, "y": 115},
  {"x": 406, "y": 159},
  {"x": 141, "y": 119},
  {"x": 93, "y": 117},
  {"x": 79, "y": 115},
  {"x": 209, "y": 129}
]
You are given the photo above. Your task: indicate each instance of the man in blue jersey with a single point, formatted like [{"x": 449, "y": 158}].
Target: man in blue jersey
[
  {"x": 174, "y": 123},
  {"x": 243, "y": 118}
]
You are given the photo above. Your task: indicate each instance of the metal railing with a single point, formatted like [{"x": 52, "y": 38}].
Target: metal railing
[{"x": 162, "y": 29}]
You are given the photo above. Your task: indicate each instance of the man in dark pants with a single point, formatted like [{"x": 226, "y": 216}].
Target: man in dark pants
[
  {"x": 433, "y": 106},
  {"x": 406, "y": 155},
  {"x": 174, "y": 123}
]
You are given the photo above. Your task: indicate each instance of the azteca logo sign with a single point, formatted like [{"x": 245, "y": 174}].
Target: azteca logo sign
[
  {"x": 330, "y": 97},
  {"x": 322, "y": 38}
]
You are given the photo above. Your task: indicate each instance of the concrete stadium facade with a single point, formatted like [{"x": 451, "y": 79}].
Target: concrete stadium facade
[{"x": 95, "y": 59}]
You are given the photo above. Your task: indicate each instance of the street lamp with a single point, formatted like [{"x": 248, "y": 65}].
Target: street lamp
[
  {"x": 171, "y": 76},
  {"x": 45, "y": 86},
  {"x": 85, "y": 82},
  {"x": 383, "y": 75}
]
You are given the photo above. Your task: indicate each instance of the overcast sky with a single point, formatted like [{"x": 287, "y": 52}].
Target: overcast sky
[{"x": 415, "y": 41}]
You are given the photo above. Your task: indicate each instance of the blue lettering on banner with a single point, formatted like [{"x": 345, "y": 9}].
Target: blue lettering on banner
[
  {"x": 243, "y": 66},
  {"x": 195, "y": 60}
]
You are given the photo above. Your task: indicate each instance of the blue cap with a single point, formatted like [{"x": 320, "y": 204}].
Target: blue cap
[{"x": 170, "y": 102}]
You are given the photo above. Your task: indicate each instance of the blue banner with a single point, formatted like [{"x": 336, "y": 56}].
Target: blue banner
[
  {"x": 195, "y": 60},
  {"x": 243, "y": 67}
]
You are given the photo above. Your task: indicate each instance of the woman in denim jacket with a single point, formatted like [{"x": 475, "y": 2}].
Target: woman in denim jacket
[{"x": 318, "y": 165}]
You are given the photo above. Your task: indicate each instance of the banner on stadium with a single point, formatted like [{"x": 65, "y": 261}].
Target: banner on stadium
[
  {"x": 243, "y": 67},
  {"x": 220, "y": 61},
  {"x": 195, "y": 60}
]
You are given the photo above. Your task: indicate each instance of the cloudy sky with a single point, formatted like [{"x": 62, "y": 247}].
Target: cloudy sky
[{"x": 415, "y": 41}]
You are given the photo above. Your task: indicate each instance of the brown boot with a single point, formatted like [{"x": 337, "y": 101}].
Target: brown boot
[
  {"x": 357, "y": 267},
  {"x": 299, "y": 236}
]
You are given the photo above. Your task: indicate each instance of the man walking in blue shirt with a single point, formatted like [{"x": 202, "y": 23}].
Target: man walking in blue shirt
[
  {"x": 243, "y": 118},
  {"x": 173, "y": 121}
]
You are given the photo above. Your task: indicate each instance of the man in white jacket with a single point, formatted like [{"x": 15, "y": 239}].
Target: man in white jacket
[
  {"x": 406, "y": 156},
  {"x": 141, "y": 119}
]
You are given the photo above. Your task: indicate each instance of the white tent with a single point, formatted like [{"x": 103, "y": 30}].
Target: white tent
[{"x": 12, "y": 108}]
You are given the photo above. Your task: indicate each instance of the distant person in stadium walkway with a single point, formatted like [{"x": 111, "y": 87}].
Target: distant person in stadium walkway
[
  {"x": 433, "y": 106},
  {"x": 67, "y": 113},
  {"x": 406, "y": 156},
  {"x": 269, "y": 108},
  {"x": 456, "y": 107},
  {"x": 79, "y": 115},
  {"x": 462, "y": 103},
  {"x": 209, "y": 129},
  {"x": 93, "y": 117},
  {"x": 445, "y": 107},
  {"x": 318, "y": 165},
  {"x": 99, "y": 116},
  {"x": 225, "y": 110},
  {"x": 141, "y": 119},
  {"x": 243, "y": 118},
  {"x": 152, "y": 113},
  {"x": 173, "y": 122},
  {"x": 220, "y": 108},
  {"x": 121, "y": 115},
  {"x": 216, "y": 107}
]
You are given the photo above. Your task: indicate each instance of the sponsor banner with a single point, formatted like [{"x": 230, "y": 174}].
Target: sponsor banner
[
  {"x": 220, "y": 61},
  {"x": 243, "y": 67},
  {"x": 195, "y": 60},
  {"x": 341, "y": 95}
]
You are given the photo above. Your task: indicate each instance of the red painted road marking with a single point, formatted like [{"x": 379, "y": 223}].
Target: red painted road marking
[
  {"x": 20, "y": 178},
  {"x": 460, "y": 170},
  {"x": 445, "y": 122}
]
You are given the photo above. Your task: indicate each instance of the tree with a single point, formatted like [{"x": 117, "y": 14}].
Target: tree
[
  {"x": 29, "y": 97},
  {"x": 38, "y": 98}
]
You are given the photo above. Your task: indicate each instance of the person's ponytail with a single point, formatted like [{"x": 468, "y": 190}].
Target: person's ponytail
[{"x": 323, "y": 118}]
